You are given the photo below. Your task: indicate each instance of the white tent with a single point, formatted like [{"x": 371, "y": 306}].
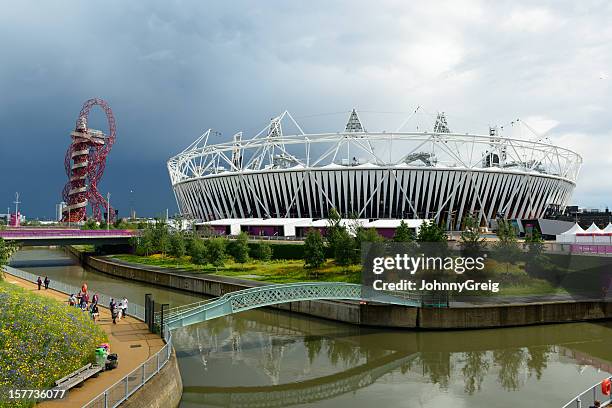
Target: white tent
[
  {"x": 569, "y": 236},
  {"x": 593, "y": 229},
  {"x": 608, "y": 228}
]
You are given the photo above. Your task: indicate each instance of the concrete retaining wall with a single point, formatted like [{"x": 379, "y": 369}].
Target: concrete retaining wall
[
  {"x": 164, "y": 390},
  {"x": 391, "y": 316}
]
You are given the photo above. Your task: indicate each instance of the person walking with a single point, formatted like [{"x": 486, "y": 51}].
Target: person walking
[
  {"x": 85, "y": 301},
  {"x": 124, "y": 303},
  {"x": 39, "y": 282},
  {"x": 47, "y": 282},
  {"x": 94, "y": 311},
  {"x": 119, "y": 311},
  {"x": 113, "y": 309},
  {"x": 95, "y": 298}
]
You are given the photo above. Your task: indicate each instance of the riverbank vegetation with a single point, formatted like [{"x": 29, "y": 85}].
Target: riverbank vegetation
[
  {"x": 41, "y": 340},
  {"x": 334, "y": 254}
]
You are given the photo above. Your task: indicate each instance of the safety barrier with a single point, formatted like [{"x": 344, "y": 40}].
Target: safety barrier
[
  {"x": 32, "y": 233},
  {"x": 588, "y": 397},
  {"x": 103, "y": 299},
  {"x": 122, "y": 389}
]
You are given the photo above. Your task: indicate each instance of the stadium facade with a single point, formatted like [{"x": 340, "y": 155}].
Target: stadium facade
[{"x": 436, "y": 175}]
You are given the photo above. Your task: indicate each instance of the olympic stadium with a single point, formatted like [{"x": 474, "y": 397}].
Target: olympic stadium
[{"x": 435, "y": 174}]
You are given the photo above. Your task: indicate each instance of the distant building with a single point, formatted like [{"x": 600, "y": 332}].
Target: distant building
[
  {"x": 59, "y": 209},
  {"x": 583, "y": 216}
]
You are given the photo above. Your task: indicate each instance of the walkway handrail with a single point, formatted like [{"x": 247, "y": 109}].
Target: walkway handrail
[
  {"x": 588, "y": 397},
  {"x": 9, "y": 234},
  {"x": 128, "y": 385}
]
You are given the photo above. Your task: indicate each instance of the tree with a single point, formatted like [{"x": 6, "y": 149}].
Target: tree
[
  {"x": 340, "y": 241},
  {"x": 90, "y": 224},
  {"x": 343, "y": 247},
  {"x": 215, "y": 251},
  {"x": 197, "y": 251},
  {"x": 363, "y": 235},
  {"x": 161, "y": 240},
  {"x": 535, "y": 260},
  {"x": 177, "y": 245},
  {"x": 431, "y": 232},
  {"x": 506, "y": 247},
  {"x": 470, "y": 241},
  {"x": 314, "y": 250},
  {"x": 403, "y": 233},
  {"x": 144, "y": 244},
  {"x": 7, "y": 249},
  {"x": 239, "y": 248}
]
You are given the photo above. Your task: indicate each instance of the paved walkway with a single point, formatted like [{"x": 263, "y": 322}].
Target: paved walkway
[{"x": 129, "y": 338}]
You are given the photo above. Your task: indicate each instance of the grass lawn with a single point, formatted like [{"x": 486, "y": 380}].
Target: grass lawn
[
  {"x": 276, "y": 271},
  {"x": 513, "y": 279}
]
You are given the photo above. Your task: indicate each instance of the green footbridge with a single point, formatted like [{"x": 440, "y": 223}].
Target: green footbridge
[{"x": 239, "y": 301}]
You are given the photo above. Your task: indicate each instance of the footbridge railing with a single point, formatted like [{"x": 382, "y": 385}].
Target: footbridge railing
[
  {"x": 269, "y": 295},
  {"x": 588, "y": 397}
]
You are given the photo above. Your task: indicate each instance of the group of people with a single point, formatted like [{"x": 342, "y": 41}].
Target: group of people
[
  {"x": 40, "y": 282},
  {"x": 82, "y": 301}
]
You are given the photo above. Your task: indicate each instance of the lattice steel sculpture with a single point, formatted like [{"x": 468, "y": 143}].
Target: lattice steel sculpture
[{"x": 84, "y": 162}]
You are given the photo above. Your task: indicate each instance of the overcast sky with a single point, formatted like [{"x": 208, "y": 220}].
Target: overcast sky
[{"x": 172, "y": 69}]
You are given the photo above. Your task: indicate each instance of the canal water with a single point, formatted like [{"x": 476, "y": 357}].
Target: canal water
[{"x": 267, "y": 358}]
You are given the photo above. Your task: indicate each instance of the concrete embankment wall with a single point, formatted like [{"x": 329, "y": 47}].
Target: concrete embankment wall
[
  {"x": 164, "y": 390},
  {"x": 391, "y": 316}
]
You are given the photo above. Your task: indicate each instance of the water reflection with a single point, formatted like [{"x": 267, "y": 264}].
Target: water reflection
[
  {"x": 265, "y": 358},
  {"x": 272, "y": 365}
]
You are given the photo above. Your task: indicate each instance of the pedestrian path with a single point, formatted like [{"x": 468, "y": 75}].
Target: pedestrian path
[{"x": 129, "y": 338}]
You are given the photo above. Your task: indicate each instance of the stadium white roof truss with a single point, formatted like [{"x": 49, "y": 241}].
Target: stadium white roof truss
[{"x": 301, "y": 157}]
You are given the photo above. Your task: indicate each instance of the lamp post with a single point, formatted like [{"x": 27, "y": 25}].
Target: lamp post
[{"x": 107, "y": 211}]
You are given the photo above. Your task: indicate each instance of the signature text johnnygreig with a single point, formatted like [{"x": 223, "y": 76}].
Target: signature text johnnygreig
[{"x": 468, "y": 285}]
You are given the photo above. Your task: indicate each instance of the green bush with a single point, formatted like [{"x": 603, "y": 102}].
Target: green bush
[
  {"x": 239, "y": 248},
  {"x": 41, "y": 340},
  {"x": 215, "y": 251},
  {"x": 177, "y": 245},
  {"x": 197, "y": 251},
  {"x": 260, "y": 251}
]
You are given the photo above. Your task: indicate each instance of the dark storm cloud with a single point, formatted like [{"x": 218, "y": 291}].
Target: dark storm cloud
[{"x": 172, "y": 69}]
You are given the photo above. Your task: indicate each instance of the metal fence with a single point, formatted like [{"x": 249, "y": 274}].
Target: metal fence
[
  {"x": 134, "y": 310},
  {"x": 42, "y": 233},
  {"x": 588, "y": 397},
  {"x": 122, "y": 389}
]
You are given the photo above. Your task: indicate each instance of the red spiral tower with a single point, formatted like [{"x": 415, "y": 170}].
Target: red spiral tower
[{"x": 84, "y": 163}]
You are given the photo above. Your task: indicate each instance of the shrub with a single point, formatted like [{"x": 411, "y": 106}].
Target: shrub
[
  {"x": 431, "y": 232},
  {"x": 197, "y": 251},
  {"x": 239, "y": 248},
  {"x": 262, "y": 251},
  {"x": 41, "y": 340},
  {"x": 177, "y": 245},
  {"x": 215, "y": 251}
]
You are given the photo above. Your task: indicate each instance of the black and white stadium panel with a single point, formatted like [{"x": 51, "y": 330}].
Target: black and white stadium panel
[{"x": 434, "y": 174}]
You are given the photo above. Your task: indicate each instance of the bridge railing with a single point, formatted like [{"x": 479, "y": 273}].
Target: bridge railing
[
  {"x": 588, "y": 397},
  {"x": 117, "y": 393},
  {"x": 32, "y": 233}
]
